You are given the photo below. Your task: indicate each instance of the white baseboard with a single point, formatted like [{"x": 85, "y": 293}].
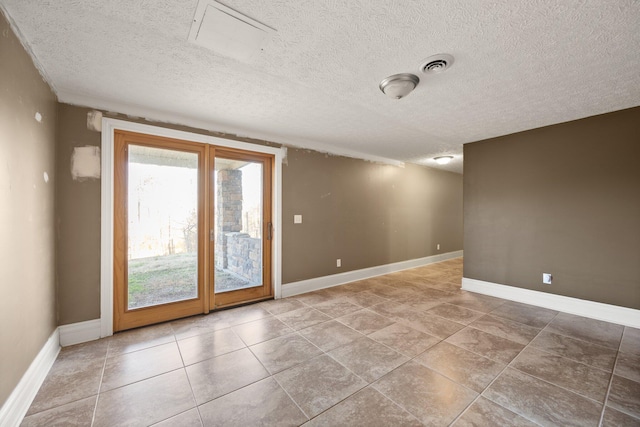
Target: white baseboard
[
  {"x": 296, "y": 288},
  {"x": 17, "y": 405},
  {"x": 594, "y": 310},
  {"x": 80, "y": 332}
]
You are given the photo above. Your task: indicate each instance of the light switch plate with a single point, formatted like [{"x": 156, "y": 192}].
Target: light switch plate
[{"x": 297, "y": 219}]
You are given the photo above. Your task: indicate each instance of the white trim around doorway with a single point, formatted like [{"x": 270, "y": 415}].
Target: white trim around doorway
[{"x": 106, "y": 232}]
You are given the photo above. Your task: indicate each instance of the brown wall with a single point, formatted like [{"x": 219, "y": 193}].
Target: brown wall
[
  {"x": 27, "y": 262},
  {"x": 78, "y": 223},
  {"x": 563, "y": 199},
  {"x": 364, "y": 213}
]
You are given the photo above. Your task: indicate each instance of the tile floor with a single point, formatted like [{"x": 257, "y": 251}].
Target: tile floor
[{"x": 405, "y": 349}]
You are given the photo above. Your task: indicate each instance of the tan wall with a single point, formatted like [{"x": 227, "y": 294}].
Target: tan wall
[
  {"x": 563, "y": 199},
  {"x": 78, "y": 223},
  {"x": 27, "y": 262},
  {"x": 364, "y": 213}
]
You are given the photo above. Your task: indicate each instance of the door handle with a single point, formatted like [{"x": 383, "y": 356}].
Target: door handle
[{"x": 269, "y": 231}]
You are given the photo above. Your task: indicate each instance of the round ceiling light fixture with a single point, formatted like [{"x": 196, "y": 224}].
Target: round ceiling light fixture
[
  {"x": 399, "y": 85},
  {"x": 443, "y": 160},
  {"x": 436, "y": 63}
]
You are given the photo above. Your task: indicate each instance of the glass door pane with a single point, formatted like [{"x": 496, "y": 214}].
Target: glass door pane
[
  {"x": 162, "y": 226},
  {"x": 238, "y": 195}
]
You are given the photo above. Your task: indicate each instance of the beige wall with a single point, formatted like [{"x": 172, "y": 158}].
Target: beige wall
[
  {"x": 563, "y": 199},
  {"x": 364, "y": 213},
  {"x": 78, "y": 223},
  {"x": 27, "y": 263}
]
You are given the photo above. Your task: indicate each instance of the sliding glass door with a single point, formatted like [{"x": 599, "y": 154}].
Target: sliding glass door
[
  {"x": 192, "y": 228},
  {"x": 241, "y": 213}
]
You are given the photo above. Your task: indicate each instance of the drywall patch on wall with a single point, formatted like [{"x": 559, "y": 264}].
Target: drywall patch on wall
[
  {"x": 85, "y": 163},
  {"x": 94, "y": 121}
]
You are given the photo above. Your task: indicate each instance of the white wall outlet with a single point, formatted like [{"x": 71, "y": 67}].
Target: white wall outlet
[
  {"x": 338, "y": 262},
  {"x": 297, "y": 219},
  {"x": 438, "y": 246},
  {"x": 547, "y": 278}
]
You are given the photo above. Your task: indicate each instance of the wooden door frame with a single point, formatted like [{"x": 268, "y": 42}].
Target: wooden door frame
[
  {"x": 103, "y": 327},
  {"x": 229, "y": 299},
  {"x": 122, "y": 316}
]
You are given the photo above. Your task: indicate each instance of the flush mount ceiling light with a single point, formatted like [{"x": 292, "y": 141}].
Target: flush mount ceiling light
[
  {"x": 399, "y": 85},
  {"x": 436, "y": 63},
  {"x": 443, "y": 160}
]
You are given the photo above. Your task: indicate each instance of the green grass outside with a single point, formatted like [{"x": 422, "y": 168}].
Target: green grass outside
[{"x": 162, "y": 279}]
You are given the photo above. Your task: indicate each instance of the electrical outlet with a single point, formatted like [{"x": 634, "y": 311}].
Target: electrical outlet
[
  {"x": 338, "y": 262},
  {"x": 297, "y": 219},
  {"x": 438, "y": 246},
  {"x": 547, "y": 278}
]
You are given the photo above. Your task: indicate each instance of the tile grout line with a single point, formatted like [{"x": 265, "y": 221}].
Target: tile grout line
[
  {"x": 289, "y": 396},
  {"x": 104, "y": 367},
  {"x": 193, "y": 394},
  {"x": 613, "y": 371}
]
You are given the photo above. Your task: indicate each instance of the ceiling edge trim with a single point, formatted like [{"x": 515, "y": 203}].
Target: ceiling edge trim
[{"x": 73, "y": 98}]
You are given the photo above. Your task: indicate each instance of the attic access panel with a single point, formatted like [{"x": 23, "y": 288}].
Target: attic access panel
[{"x": 227, "y": 32}]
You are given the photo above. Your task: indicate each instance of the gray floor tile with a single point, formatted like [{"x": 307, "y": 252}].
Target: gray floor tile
[
  {"x": 263, "y": 403},
  {"x": 68, "y": 382},
  {"x": 486, "y": 344},
  {"x": 365, "y": 299},
  {"x": 330, "y": 335},
  {"x": 190, "y": 418},
  {"x": 281, "y": 306},
  {"x": 368, "y": 359},
  {"x": 261, "y": 330},
  {"x": 141, "y": 338},
  {"x": 419, "y": 391},
  {"x": 128, "y": 368},
  {"x": 542, "y": 402},
  {"x": 303, "y": 318},
  {"x": 507, "y": 329},
  {"x": 145, "y": 402},
  {"x": 536, "y": 317},
  {"x": 566, "y": 373},
  {"x": 284, "y": 352},
  {"x": 462, "y": 366},
  {"x": 630, "y": 341},
  {"x": 78, "y": 413},
  {"x": 318, "y": 384},
  {"x": 591, "y": 330},
  {"x": 367, "y": 408},
  {"x": 625, "y": 396},
  {"x": 337, "y": 307},
  {"x": 484, "y": 412},
  {"x": 432, "y": 324},
  {"x": 215, "y": 377},
  {"x": 407, "y": 315},
  {"x": 456, "y": 313},
  {"x": 211, "y": 344},
  {"x": 628, "y": 366},
  {"x": 613, "y": 418},
  {"x": 365, "y": 321},
  {"x": 575, "y": 349},
  {"x": 404, "y": 339}
]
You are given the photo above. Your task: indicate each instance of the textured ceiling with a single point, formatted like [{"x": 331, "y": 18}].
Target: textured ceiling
[{"x": 518, "y": 65}]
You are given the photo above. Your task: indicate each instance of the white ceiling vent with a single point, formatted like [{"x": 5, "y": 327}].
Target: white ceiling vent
[{"x": 227, "y": 32}]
